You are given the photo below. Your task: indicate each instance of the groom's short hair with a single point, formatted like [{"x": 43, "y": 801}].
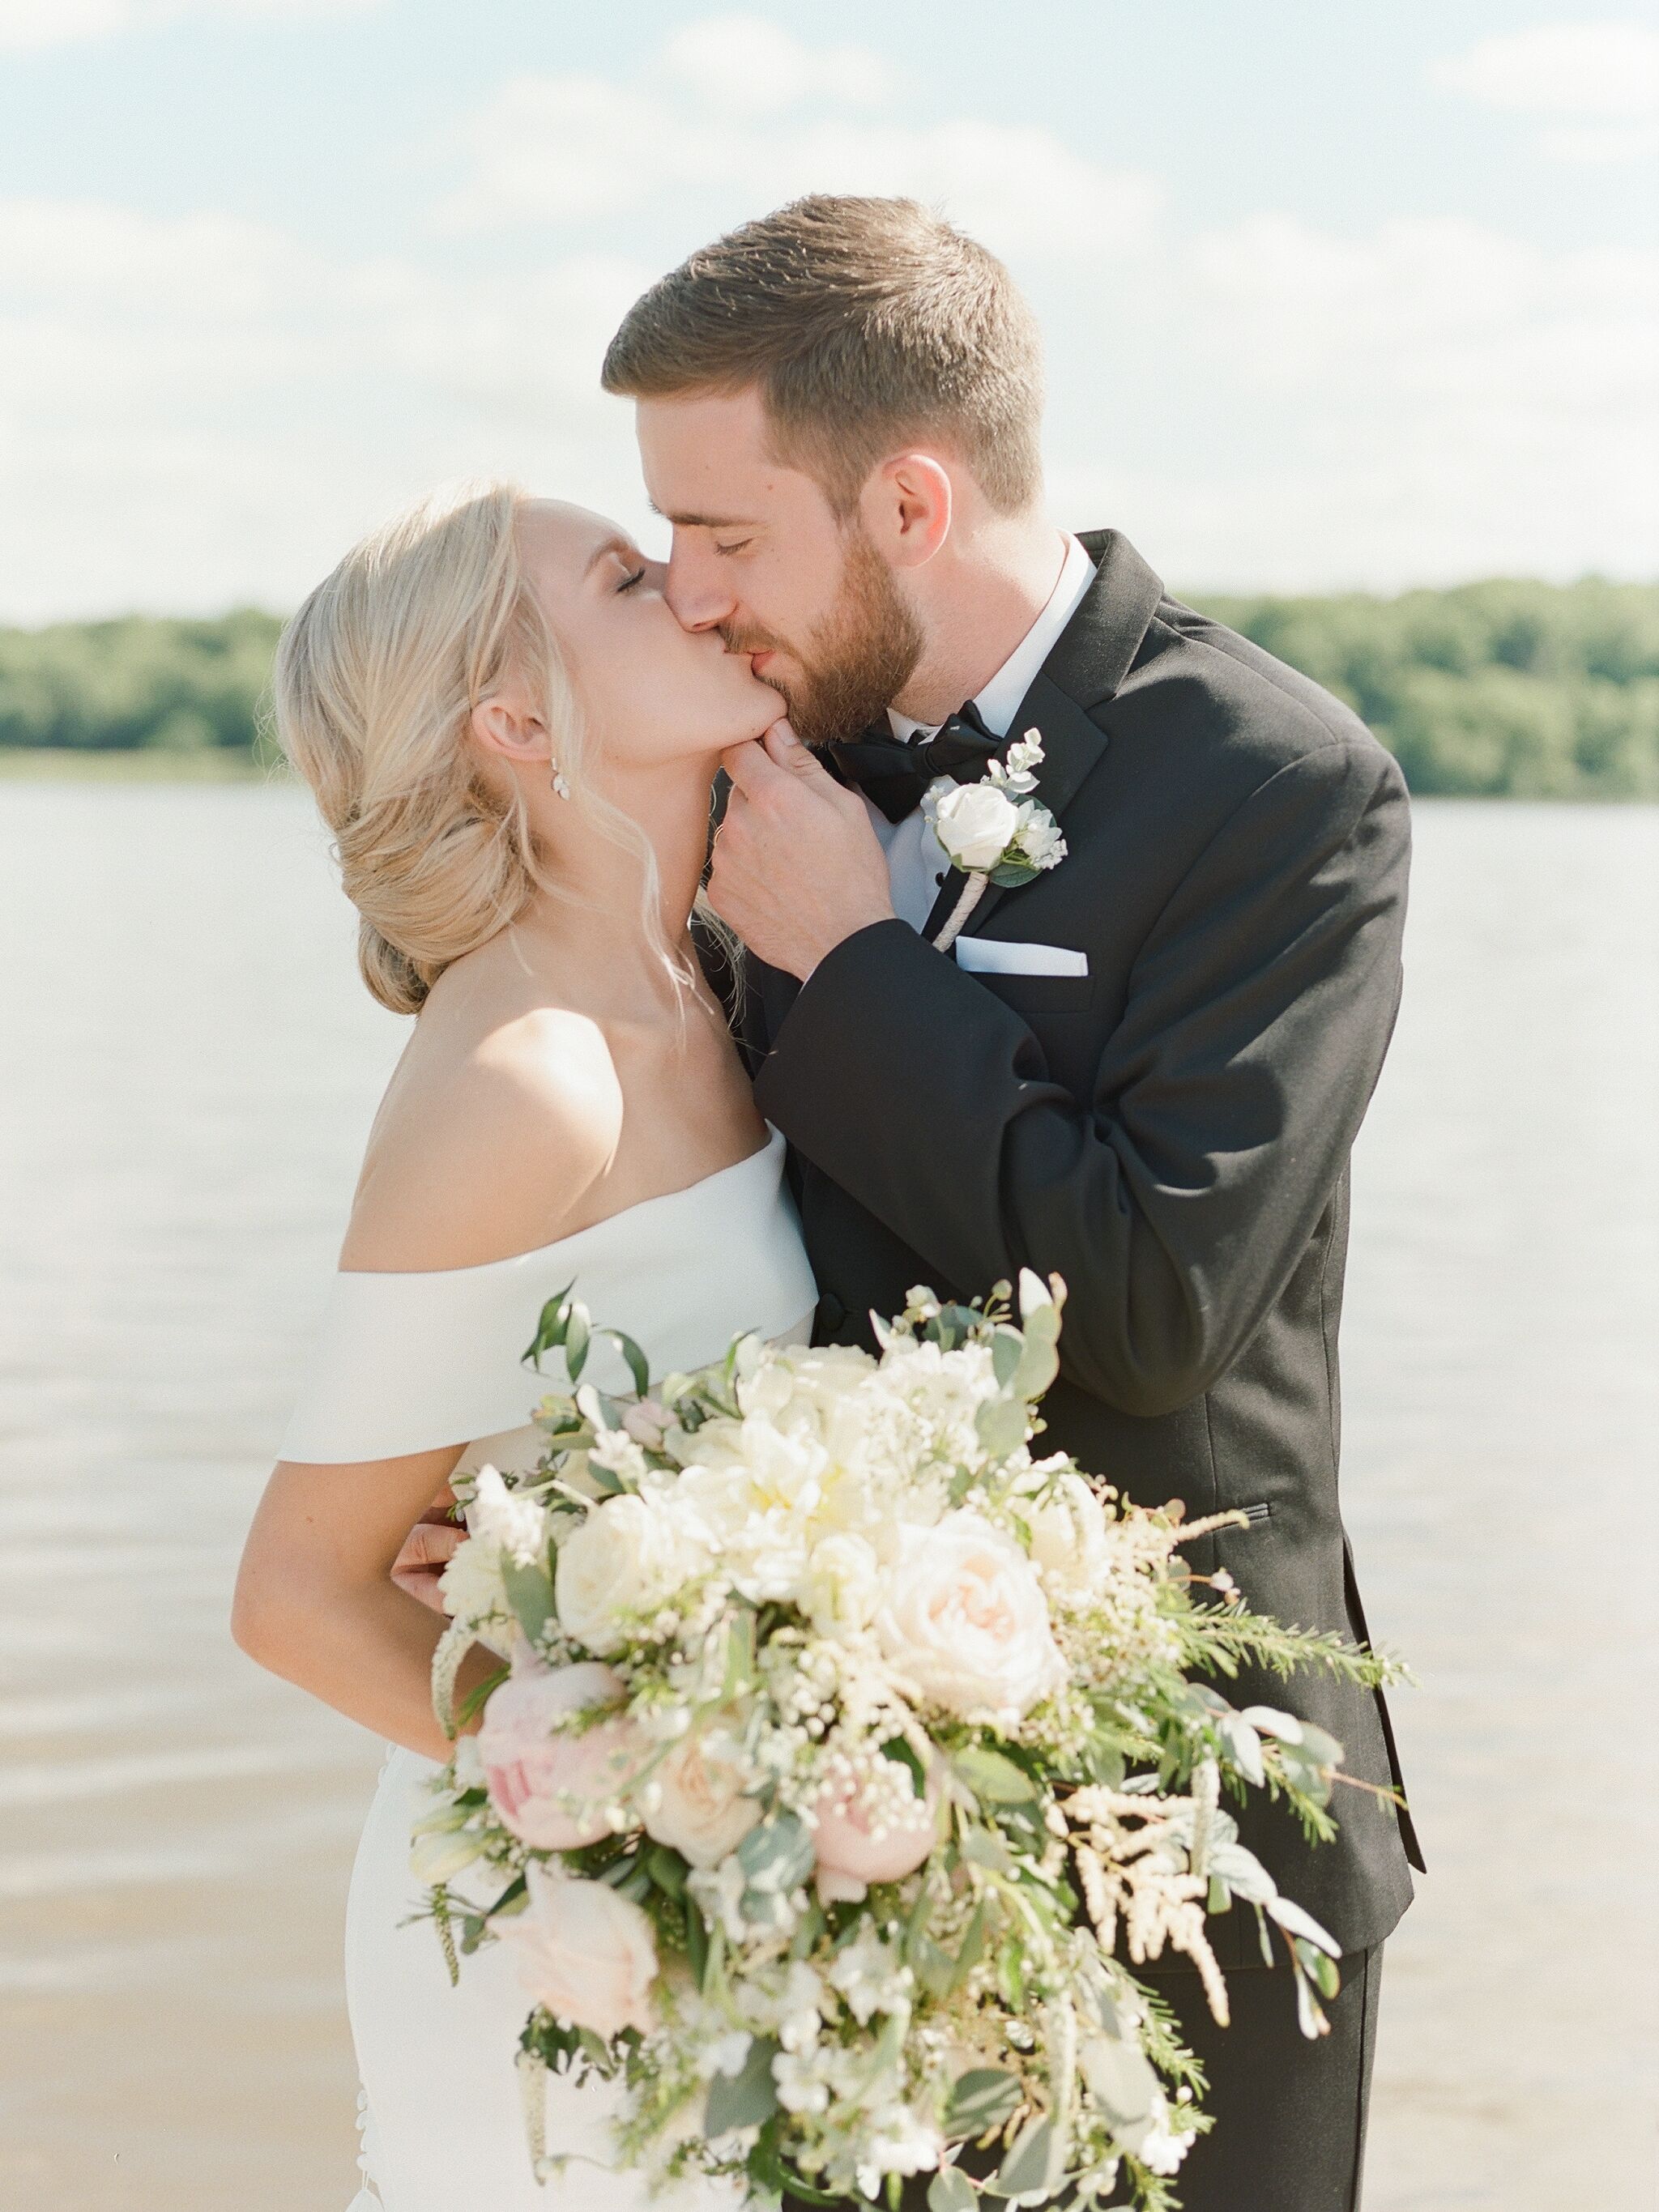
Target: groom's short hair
[{"x": 864, "y": 323}]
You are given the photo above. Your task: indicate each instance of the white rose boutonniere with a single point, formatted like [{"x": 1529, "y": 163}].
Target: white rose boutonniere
[{"x": 993, "y": 830}]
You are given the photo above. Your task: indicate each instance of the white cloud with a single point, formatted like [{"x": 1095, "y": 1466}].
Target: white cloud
[
  {"x": 199, "y": 409},
  {"x": 1432, "y": 401},
  {"x": 544, "y": 149},
  {"x": 1594, "y": 85},
  {"x": 744, "y": 61},
  {"x": 202, "y": 410},
  {"x": 37, "y": 23}
]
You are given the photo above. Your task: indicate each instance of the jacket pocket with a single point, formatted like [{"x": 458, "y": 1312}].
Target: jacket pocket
[{"x": 1255, "y": 1514}]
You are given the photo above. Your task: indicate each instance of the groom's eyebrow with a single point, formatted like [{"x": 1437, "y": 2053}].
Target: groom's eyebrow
[{"x": 688, "y": 521}]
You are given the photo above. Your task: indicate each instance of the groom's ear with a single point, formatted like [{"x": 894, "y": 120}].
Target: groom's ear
[{"x": 907, "y": 507}]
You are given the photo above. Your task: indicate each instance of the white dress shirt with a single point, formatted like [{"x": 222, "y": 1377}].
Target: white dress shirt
[{"x": 916, "y": 863}]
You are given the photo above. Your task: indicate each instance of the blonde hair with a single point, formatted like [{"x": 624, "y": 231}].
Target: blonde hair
[
  {"x": 376, "y": 679},
  {"x": 863, "y": 323}
]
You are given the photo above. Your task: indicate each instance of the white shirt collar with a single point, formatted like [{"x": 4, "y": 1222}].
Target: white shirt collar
[{"x": 1000, "y": 701}]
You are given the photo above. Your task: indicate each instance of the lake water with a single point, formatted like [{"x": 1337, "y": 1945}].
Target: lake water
[{"x": 190, "y": 1070}]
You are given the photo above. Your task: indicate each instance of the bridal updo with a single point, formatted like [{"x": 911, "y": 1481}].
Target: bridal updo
[{"x": 376, "y": 679}]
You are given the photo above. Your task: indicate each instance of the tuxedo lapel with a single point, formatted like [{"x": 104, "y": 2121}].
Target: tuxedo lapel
[{"x": 1091, "y": 657}]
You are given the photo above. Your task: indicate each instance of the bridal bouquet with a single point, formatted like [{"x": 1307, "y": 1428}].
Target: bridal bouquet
[{"x": 848, "y": 1757}]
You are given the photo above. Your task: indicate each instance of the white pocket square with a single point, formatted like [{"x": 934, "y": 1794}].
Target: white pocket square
[{"x": 995, "y": 956}]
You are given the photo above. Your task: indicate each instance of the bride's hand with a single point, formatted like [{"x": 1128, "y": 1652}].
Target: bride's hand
[{"x": 428, "y": 1549}]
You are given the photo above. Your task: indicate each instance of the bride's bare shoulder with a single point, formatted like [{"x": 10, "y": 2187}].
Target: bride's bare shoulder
[{"x": 499, "y": 1120}]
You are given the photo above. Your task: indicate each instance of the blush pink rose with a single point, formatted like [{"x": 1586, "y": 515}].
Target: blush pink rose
[
  {"x": 860, "y": 1838},
  {"x": 552, "y": 1789},
  {"x": 587, "y": 1955}
]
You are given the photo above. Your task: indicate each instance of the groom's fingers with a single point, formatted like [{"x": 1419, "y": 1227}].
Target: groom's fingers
[{"x": 767, "y": 767}]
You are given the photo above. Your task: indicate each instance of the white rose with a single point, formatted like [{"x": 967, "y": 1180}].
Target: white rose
[
  {"x": 585, "y": 1953},
  {"x": 842, "y": 1586},
  {"x": 700, "y": 1810},
  {"x": 1068, "y": 1531},
  {"x": 965, "y": 1620},
  {"x": 976, "y": 823},
  {"x": 625, "y": 1558}
]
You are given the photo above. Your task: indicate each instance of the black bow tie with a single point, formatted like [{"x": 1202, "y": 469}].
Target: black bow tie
[{"x": 893, "y": 775}]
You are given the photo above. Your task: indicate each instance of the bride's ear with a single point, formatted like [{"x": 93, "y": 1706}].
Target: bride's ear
[{"x": 505, "y": 727}]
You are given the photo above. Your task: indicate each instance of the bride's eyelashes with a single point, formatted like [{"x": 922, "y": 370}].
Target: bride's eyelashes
[{"x": 628, "y": 582}]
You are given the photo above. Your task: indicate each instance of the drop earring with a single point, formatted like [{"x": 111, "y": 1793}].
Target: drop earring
[{"x": 560, "y": 788}]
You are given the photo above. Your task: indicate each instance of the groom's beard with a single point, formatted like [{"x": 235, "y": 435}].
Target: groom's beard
[{"x": 860, "y": 656}]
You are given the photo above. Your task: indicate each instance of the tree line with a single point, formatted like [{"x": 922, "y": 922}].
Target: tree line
[{"x": 1503, "y": 689}]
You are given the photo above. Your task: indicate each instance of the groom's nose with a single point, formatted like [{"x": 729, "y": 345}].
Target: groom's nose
[{"x": 698, "y": 595}]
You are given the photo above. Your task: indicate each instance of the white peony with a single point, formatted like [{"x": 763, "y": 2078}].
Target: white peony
[
  {"x": 965, "y": 1620},
  {"x": 700, "y": 1810},
  {"x": 626, "y": 1557},
  {"x": 976, "y": 823},
  {"x": 841, "y": 1588},
  {"x": 586, "y": 1954}
]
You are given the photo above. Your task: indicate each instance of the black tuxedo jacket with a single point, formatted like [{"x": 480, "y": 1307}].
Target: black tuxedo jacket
[{"x": 1170, "y": 1132}]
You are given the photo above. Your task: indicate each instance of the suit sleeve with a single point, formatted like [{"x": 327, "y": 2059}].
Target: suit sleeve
[{"x": 1177, "y": 1198}]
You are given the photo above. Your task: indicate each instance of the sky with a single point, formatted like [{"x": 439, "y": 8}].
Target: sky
[{"x": 1333, "y": 297}]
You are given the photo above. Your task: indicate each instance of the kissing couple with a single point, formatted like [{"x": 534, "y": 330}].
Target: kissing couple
[{"x": 1047, "y": 924}]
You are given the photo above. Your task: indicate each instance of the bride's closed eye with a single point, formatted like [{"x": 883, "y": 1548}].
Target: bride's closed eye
[{"x": 628, "y": 582}]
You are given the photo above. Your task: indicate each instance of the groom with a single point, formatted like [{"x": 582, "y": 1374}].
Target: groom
[{"x": 1143, "y": 1068}]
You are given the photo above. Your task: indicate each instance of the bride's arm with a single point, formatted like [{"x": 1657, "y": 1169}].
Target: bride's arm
[{"x": 315, "y": 1601}]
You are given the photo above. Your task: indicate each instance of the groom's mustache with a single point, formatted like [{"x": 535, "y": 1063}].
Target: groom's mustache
[{"x": 755, "y": 640}]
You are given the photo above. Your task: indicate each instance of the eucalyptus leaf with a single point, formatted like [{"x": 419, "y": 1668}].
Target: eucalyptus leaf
[
  {"x": 1272, "y": 1722},
  {"x": 1007, "y": 1346},
  {"x": 987, "y": 1848},
  {"x": 1294, "y": 1922},
  {"x": 529, "y": 1594},
  {"x": 1245, "y": 1746},
  {"x": 1026, "y": 2166},
  {"x": 1120, "y": 2079},
  {"x": 1002, "y": 1423},
  {"x": 980, "y": 2100},
  {"x": 993, "y": 1779},
  {"x": 1039, "y": 1364},
  {"x": 747, "y": 2098},
  {"x": 577, "y": 1333},
  {"x": 776, "y": 1856},
  {"x": 950, "y": 2190}
]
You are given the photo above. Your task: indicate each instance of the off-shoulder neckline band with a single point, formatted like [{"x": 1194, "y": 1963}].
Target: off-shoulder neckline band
[{"x": 774, "y": 1141}]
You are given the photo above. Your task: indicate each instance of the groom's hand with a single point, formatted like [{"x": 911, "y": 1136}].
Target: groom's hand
[
  {"x": 428, "y": 1549},
  {"x": 797, "y": 867}
]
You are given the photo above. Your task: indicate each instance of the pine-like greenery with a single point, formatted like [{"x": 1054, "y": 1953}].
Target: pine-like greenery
[{"x": 1503, "y": 688}]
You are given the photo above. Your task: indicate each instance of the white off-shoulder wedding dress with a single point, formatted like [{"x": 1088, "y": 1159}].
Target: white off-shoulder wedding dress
[{"x": 410, "y": 1363}]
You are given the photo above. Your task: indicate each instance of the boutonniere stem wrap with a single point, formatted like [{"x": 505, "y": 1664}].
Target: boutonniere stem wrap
[{"x": 993, "y": 830}]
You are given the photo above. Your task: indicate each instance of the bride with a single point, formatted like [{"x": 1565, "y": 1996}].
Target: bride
[{"x": 513, "y": 743}]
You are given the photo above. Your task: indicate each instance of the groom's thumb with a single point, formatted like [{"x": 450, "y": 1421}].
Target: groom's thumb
[{"x": 783, "y": 746}]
